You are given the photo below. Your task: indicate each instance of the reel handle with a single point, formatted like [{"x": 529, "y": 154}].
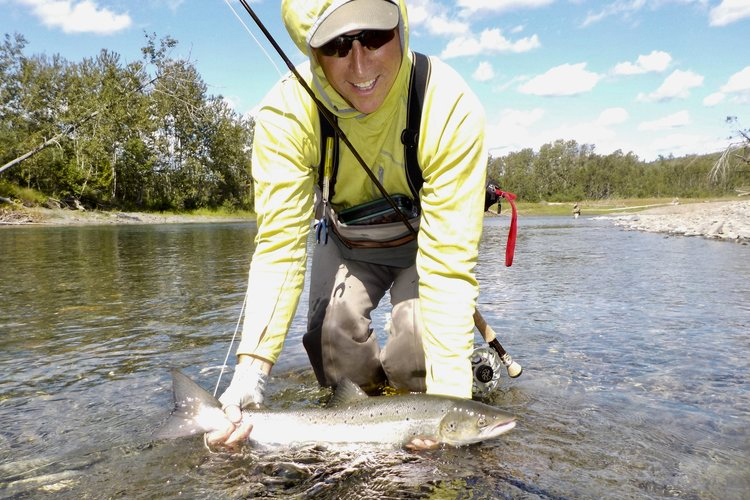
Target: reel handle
[{"x": 513, "y": 367}]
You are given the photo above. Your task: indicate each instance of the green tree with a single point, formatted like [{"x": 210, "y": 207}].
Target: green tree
[{"x": 111, "y": 134}]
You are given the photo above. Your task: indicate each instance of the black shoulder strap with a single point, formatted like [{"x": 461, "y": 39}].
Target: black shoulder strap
[
  {"x": 420, "y": 74},
  {"x": 327, "y": 132}
]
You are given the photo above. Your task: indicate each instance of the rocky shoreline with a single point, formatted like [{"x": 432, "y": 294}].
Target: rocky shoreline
[{"x": 723, "y": 220}]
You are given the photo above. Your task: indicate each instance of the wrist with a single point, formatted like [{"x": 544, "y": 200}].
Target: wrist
[{"x": 256, "y": 362}]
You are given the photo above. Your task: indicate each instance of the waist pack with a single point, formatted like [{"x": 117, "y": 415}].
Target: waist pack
[{"x": 372, "y": 232}]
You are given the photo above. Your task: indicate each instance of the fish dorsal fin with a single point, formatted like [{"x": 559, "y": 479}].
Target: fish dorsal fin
[{"x": 346, "y": 392}]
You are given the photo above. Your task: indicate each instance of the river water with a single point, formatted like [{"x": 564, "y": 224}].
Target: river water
[{"x": 635, "y": 349}]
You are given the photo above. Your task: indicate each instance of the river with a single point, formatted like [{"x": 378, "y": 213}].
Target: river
[{"x": 635, "y": 350}]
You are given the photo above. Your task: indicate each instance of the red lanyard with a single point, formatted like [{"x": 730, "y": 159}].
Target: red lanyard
[{"x": 510, "y": 248}]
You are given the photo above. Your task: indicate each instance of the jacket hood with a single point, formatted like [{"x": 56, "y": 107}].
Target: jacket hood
[{"x": 301, "y": 16}]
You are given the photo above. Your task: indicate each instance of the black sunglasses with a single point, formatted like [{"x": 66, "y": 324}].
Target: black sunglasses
[{"x": 370, "y": 39}]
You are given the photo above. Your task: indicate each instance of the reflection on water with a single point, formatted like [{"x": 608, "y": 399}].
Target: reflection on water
[{"x": 634, "y": 349}]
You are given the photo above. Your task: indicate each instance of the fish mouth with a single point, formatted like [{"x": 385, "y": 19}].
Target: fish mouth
[{"x": 498, "y": 428}]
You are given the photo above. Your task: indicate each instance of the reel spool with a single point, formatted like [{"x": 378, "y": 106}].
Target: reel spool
[{"x": 486, "y": 368}]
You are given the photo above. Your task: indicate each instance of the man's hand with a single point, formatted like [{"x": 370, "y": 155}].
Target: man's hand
[
  {"x": 247, "y": 388},
  {"x": 236, "y": 430},
  {"x": 417, "y": 444}
]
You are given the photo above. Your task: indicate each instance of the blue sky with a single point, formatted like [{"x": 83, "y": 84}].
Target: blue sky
[{"x": 655, "y": 77}]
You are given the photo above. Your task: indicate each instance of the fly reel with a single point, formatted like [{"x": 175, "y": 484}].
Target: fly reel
[{"x": 487, "y": 368}]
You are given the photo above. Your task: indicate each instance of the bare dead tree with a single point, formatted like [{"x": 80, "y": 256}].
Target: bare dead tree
[{"x": 735, "y": 155}]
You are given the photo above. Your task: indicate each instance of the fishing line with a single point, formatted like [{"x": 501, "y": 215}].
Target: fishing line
[
  {"x": 231, "y": 344},
  {"x": 268, "y": 56}
]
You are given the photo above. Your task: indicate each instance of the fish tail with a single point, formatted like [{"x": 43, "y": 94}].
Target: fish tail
[{"x": 190, "y": 401}]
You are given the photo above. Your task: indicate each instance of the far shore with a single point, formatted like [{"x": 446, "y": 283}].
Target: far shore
[
  {"x": 718, "y": 219},
  {"x": 39, "y": 216}
]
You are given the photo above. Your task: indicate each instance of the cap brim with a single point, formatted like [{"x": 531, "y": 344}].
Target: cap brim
[{"x": 355, "y": 16}]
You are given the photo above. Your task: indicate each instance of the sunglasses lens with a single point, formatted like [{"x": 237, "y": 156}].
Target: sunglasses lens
[
  {"x": 371, "y": 39},
  {"x": 374, "y": 39},
  {"x": 339, "y": 46}
]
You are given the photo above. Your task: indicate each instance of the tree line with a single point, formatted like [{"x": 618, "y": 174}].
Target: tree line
[
  {"x": 147, "y": 135},
  {"x": 568, "y": 171},
  {"x": 144, "y": 134}
]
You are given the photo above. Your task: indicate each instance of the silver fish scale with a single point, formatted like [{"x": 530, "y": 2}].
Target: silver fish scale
[{"x": 380, "y": 420}]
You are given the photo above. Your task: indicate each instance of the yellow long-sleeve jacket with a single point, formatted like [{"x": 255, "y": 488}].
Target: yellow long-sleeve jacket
[{"x": 453, "y": 159}]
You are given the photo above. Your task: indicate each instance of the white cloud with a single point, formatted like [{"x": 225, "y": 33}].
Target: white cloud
[
  {"x": 729, "y": 11},
  {"x": 442, "y": 25},
  {"x": 738, "y": 88},
  {"x": 681, "y": 144},
  {"x": 489, "y": 41},
  {"x": 484, "y": 72},
  {"x": 714, "y": 99},
  {"x": 501, "y": 87},
  {"x": 675, "y": 120},
  {"x": 655, "y": 62},
  {"x": 563, "y": 80},
  {"x": 627, "y": 9},
  {"x": 78, "y": 17},
  {"x": 612, "y": 116},
  {"x": 173, "y": 5},
  {"x": 435, "y": 18},
  {"x": 738, "y": 82},
  {"x": 472, "y": 6},
  {"x": 418, "y": 12},
  {"x": 516, "y": 129},
  {"x": 676, "y": 85},
  {"x": 616, "y": 8},
  {"x": 511, "y": 130}
]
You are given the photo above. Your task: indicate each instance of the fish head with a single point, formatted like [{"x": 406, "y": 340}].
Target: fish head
[{"x": 468, "y": 422}]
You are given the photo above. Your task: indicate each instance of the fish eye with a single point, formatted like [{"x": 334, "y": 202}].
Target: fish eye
[{"x": 482, "y": 421}]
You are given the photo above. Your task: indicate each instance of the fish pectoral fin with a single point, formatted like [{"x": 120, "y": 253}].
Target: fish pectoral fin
[{"x": 346, "y": 392}]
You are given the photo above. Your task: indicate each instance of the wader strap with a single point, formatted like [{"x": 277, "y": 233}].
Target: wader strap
[
  {"x": 420, "y": 74},
  {"x": 329, "y": 157}
]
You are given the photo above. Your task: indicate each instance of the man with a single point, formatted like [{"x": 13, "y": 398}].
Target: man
[{"x": 359, "y": 67}]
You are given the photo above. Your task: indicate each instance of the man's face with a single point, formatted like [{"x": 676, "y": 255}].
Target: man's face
[{"x": 364, "y": 76}]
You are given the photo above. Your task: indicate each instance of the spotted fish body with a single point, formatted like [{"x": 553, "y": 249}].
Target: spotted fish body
[{"x": 351, "y": 417}]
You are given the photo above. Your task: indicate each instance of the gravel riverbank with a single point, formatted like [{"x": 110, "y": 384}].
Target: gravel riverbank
[{"x": 724, "y": 220}]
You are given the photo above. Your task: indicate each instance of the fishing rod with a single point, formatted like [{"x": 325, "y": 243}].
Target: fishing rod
[{"x": 328, "y": 116}]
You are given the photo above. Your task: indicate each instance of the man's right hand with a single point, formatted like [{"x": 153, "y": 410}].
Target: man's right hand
[
  {"x": 236, "y": 430},
  {"x": 247, "y": 388}
]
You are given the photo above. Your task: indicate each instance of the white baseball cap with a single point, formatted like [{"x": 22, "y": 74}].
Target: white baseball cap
[{"x": 355, "y": 15}]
